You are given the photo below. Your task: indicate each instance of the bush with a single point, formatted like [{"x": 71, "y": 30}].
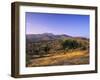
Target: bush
[{"x": 70, "y": 44}]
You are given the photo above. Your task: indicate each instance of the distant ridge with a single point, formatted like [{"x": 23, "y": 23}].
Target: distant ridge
[{"x": 48, "y": 36}]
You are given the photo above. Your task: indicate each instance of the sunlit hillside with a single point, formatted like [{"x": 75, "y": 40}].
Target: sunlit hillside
[{"x": 51, "y": 50}]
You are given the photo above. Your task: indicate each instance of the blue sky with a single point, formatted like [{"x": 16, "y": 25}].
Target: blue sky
[{"x": 70, "y": 24}]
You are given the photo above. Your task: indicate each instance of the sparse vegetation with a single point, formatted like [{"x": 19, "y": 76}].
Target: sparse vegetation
[{"x": 56, "y": 51}]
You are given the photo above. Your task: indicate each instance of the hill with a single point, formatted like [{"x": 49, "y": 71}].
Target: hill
[
  {"x": 48, "y": 36},
  {"x": 44, "y": 45}
]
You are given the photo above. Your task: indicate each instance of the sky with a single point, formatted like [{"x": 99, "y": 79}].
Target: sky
[{"x": 70, "y": 24}]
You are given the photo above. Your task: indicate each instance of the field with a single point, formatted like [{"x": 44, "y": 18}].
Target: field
[
  {"x": 53, "y": 50},
  {"x": 68, "y": 58}
]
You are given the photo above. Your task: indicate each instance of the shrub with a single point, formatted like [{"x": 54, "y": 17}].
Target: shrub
[{"x": 70, "y": 44}]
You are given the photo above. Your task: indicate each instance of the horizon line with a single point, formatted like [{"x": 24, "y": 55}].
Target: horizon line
[{"x": 56, "y": 34}]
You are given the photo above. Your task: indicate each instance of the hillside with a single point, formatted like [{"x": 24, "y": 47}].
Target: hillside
[
  {"x": 46, "y": 46},
  {"x": 68, "y": 58},
  {"x": 44, "y": 36}
]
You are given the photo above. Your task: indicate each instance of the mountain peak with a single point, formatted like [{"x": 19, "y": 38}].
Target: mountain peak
[{"x": 47, "y": 34}]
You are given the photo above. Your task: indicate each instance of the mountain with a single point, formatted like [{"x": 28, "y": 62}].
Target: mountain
[
  {"x": 45, "y": 36},
  {"x": 49, "y": 36}
]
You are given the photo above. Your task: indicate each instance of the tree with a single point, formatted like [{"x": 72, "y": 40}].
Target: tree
[
  {"x": 70, "y": 44},
  {"x": 46, "y": 49}
]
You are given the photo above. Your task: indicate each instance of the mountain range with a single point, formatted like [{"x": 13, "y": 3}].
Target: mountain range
[{"x": 48, "y": 36}]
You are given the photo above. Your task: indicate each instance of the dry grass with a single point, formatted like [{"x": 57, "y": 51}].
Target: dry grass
[{"x": 68, "y": 58}]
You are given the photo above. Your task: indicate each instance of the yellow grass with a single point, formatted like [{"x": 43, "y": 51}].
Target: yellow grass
[{"x": 68, "y": 58}]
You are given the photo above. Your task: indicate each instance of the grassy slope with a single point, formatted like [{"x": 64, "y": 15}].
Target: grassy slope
[{"x": 68, "y": 58}]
